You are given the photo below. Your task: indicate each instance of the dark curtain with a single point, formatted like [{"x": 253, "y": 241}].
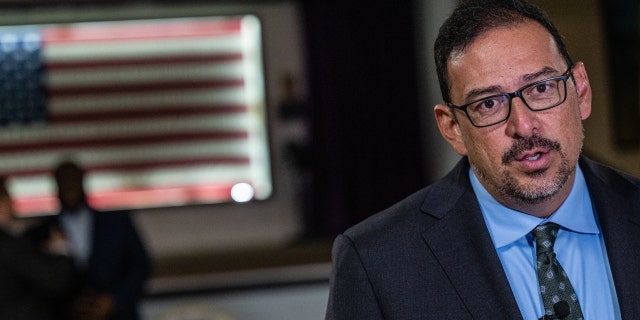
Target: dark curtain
[
  {"x": 366, "y": 151},
  {"x": 622, "y": 30}
]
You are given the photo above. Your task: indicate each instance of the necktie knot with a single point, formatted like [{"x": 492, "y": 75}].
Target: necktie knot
[{"x": 545, "y": 236}]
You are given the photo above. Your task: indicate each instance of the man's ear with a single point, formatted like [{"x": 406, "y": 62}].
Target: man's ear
[
  {"x": 449, "y": 128},
  {"x": 583, "y": 89}
]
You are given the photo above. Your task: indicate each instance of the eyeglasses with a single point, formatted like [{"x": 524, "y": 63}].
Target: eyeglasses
[{"x": 540, "y": 95}]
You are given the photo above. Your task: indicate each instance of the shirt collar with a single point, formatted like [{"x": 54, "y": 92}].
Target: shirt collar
[
  {"x": 508, "y": 225},
  {"x": 82, "y": 214}
]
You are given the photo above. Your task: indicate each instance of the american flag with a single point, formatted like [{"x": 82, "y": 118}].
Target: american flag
[{"x": 159, "y": 112}]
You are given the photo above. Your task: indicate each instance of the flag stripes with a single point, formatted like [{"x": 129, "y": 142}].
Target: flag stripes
[{"x": 160, "y": 112}]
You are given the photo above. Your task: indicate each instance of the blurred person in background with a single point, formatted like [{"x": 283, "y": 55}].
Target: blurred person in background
[
  {"x": 34, "y": 281},
  {"x": 111, "y": 258}
]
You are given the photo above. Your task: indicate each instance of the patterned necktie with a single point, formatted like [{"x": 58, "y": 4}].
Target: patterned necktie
[{"x": 554, "y": 283}]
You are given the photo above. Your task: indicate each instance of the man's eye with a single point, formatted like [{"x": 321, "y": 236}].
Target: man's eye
[
  {"x": 488, "y": 104},
  {"x": 541, "y": 88},
  {"x": 485, "y": 105}
]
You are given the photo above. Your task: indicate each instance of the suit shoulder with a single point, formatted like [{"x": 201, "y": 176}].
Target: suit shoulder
[
  {"x": 117, "y": 215},
  {"x": 415, "y": 214},
  {"x": 619, "y": 180},
  {"x": 400, "y": 218},
  {"x": 110, "y": 221}
]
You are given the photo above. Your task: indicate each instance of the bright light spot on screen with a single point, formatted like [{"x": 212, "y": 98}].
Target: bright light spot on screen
[{"x": 242, "y": 192}]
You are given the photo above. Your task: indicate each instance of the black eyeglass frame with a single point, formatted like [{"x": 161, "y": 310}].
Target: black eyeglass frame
[{"x": 518, "y": 93}]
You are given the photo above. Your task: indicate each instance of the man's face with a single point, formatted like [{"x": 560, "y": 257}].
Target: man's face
[
  {"x": 70, "y": 189},
  {"x": 530, "y": 158}
]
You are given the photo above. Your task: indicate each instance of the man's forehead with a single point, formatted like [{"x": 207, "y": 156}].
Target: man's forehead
[{"x": 521, "y": 53}]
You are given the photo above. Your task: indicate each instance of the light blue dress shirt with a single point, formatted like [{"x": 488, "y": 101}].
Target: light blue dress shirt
[
  {"x": 579, "y": 249},
  {"x": 77, "y": 228}
]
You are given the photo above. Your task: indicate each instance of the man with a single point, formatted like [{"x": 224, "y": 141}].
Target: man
[
  {"x": 106, "y": 247},
  {"x": 463, "y": 248}
]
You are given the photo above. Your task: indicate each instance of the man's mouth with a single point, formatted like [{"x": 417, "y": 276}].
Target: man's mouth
[
  {"x": 532, "y": 157},
  {"x": 529, "y": 149}
]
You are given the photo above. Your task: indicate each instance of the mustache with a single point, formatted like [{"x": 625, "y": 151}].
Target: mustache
[{"x": 525, "y": 144}]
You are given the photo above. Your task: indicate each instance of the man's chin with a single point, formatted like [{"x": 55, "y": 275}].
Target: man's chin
[
  {"x": 534, "y": 189},
  {"x": 72, "y": 207}
]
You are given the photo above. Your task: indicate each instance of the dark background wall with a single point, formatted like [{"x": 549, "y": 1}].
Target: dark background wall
[{"x": 366, "y": 149}]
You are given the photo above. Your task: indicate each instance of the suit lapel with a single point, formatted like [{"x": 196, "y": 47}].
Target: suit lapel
[
  {"x": 91, "y": 263},
  {"x": 461, "y": 242},
  {"x": 616, "y": 201}
]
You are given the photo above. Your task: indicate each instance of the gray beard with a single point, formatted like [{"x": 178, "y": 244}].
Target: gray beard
[
  {"x": 527, "y": 194},
  {"x": 509, "y": 188}
]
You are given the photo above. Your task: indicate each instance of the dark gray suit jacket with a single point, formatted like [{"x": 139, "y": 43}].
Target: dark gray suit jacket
[{"x": 431, "y": 256}]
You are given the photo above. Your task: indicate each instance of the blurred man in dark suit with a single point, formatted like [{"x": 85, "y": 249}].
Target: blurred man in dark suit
[{"x": 106, "y": 247}]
